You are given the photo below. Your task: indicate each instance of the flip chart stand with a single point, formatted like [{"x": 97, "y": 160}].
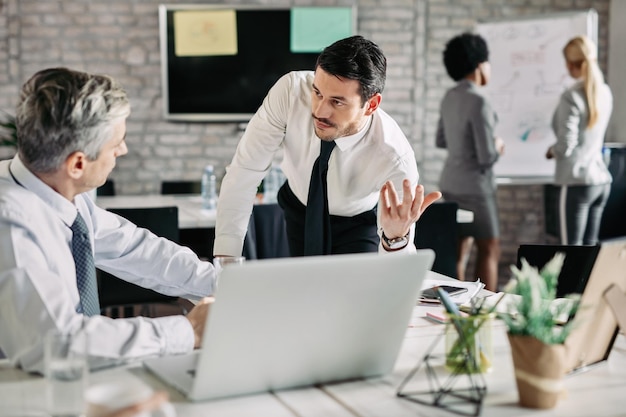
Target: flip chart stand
[{"x": 458, "y": 392}]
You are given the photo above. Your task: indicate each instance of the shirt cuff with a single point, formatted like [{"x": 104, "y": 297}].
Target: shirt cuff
[
  {"x": 409, "y": 248},
  {"x": 227, "y": 246},
  {"x": 177, "y": 334}
]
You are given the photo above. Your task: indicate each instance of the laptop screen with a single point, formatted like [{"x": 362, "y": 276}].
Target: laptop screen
[
  {"x": 579, "y": 261},
  {"x": 289, "y": 322}
]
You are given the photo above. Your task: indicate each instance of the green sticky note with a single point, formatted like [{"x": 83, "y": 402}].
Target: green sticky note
[{"x": 314, "y": 28}]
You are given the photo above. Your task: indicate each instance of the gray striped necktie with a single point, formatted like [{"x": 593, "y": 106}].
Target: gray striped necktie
[{"x": 85, "y": 268}]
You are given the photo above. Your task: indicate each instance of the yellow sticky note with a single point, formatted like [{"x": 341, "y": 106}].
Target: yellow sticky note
[{"x": 202, "y": 33}]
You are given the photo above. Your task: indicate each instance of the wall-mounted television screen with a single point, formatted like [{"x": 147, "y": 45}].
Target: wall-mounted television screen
[{"x": 219, "y": 61}]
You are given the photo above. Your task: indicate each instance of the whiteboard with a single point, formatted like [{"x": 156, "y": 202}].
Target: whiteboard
[{"x": 527, "y": 78}]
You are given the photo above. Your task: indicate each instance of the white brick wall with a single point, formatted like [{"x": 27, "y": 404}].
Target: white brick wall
[{"x": 121, "y": 38}]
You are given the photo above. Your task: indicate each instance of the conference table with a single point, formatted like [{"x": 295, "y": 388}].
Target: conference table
[
  {"x": 190, "y": 211},
  {"x": 597, "y": 392}
]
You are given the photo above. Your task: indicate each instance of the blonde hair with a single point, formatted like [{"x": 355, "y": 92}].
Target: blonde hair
[{"x": 580, "y": 52}]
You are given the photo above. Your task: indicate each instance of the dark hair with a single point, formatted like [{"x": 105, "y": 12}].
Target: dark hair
[
  {"x": 61, "y": 111},
  {"x": 356, "y": 58},
  {"x": 463, "y": 54}
]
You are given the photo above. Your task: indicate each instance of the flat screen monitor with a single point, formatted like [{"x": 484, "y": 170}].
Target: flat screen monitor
[
  {"x": 577, "y": 266},
  {"x": 219, "y": 61}
]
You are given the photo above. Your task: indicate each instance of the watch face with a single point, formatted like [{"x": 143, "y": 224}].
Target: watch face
[{"x": 397, "y": 242}]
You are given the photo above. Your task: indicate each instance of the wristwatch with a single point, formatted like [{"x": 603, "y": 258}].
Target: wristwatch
[{"x": 397, "y": 242}]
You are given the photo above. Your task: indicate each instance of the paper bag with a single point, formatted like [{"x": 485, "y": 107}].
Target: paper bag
[{"x": 539, "y": 371}]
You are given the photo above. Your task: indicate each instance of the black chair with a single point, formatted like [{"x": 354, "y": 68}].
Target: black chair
[
  {"x": 576, "y": 269},
  {"x": 115, "y": 293},
  {"x": 437, "y": 229},
  {"x": 181, "y": 187},
  {"x": 267, "y": 234},
  {"x": 106, "y": 189},
  {"x": 551, "y": 209},
  {"x": 200, "y": 240}
]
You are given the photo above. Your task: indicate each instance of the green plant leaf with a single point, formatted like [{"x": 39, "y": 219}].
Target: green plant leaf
[
  {"x": 8, "y": 130},
  {"x": 535, "y": 313}
]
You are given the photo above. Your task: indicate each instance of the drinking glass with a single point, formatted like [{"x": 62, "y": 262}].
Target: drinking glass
[
  {"x": 473, "y": 352},
  {"x": 221, "y": 262},
  {"x": 66, "y": 371}
]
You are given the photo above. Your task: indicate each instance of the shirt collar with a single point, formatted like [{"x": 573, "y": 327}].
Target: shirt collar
[
  {"x": 468, "y": 84},
  {"x": 347, "y": 142},
  {"x": 65, "y": 209}
]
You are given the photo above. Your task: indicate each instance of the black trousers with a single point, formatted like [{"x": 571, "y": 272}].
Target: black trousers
[
  {"x": 580, "y": 213},
  {"x": 354, "y": 234}
]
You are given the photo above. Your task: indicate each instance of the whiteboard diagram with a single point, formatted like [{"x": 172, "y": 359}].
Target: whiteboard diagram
[{"x": 527, "y": 78}]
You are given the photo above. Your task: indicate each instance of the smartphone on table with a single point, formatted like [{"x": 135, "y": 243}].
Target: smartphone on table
[{"x": 431, "y": 293}]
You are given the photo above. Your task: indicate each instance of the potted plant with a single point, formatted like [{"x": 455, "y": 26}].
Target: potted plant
[
  {"x": 536, "y": 341},
  {"x": 8, "y": 134}
]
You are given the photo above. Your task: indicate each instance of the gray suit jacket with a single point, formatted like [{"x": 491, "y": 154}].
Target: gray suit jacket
[
  {"x": 466, "y": 129},
  {"x": 578, "y": 150}
]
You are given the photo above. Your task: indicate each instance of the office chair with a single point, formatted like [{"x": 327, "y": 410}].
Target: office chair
[
  {"x": 115, "y": 293},
  {"x": 437, "y": 229},
  {"x": 181, "y": 187},
  {"x": 198, "y": 239},
  {"x": 267, "y": 233}
]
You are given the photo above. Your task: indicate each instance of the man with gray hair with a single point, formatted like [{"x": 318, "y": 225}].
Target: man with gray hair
[{"x": 71, "y": 127}]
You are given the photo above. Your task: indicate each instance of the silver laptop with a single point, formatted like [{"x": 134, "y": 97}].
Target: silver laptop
[{"x": 292, "y": 322}]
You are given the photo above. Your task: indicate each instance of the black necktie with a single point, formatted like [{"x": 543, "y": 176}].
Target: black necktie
[
  {"x": 85, "y": 268},
  {"x": 317, "y": 222}
]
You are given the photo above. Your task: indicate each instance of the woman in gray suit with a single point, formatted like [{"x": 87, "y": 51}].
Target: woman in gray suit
[
  {"x": 466, "y": 130},
  {"x": 579, "y": 123}
]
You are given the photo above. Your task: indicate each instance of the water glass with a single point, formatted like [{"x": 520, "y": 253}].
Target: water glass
[
  {"x": 66, "y": 371},
  {"x": 221, "y": 262},
  {"x": 473, "y": 352}
]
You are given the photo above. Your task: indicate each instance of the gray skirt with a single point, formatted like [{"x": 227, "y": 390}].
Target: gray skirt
[{"x": 485, "y": 208}]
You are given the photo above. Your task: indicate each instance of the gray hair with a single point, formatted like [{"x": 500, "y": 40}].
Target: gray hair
[{"x": 61, "y": 111}]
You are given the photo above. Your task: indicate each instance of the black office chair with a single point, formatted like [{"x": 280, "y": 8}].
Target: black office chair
[
  {"x": 199, "y": 239},
  {"x": 115, "y": 293},
  {"x": 437, "y": 229},
  {"x": 267, "y": 233},
  {"x": 106, "y": 189},
  {"x": 181, "y": 187}
]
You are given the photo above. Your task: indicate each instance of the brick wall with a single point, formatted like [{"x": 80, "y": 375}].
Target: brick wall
[{"x": 120, "y": 37}]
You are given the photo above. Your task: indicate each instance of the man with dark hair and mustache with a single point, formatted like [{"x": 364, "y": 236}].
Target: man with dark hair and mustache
[{"x": 332, "y": 111}]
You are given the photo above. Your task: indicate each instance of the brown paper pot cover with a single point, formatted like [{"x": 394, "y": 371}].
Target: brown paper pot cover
[{"x": 539, "y": 371}]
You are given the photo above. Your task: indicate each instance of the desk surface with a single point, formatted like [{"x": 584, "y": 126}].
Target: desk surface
[
  {"x": 598, "y": 392},
  {"x": 190, "y": 211}
]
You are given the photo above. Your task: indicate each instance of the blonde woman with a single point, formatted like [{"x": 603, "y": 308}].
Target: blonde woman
[{"x": 579, "y": 123}]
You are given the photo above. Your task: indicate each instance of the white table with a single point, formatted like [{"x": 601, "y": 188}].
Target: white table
[
  {"x": 190, "y": 211},
  {"x": 598, "y": 392}
]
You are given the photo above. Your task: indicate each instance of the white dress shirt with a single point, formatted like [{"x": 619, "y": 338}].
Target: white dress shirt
[
  {"x": 359, "y": 165},
  {"x": 38, "y": 288}
]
